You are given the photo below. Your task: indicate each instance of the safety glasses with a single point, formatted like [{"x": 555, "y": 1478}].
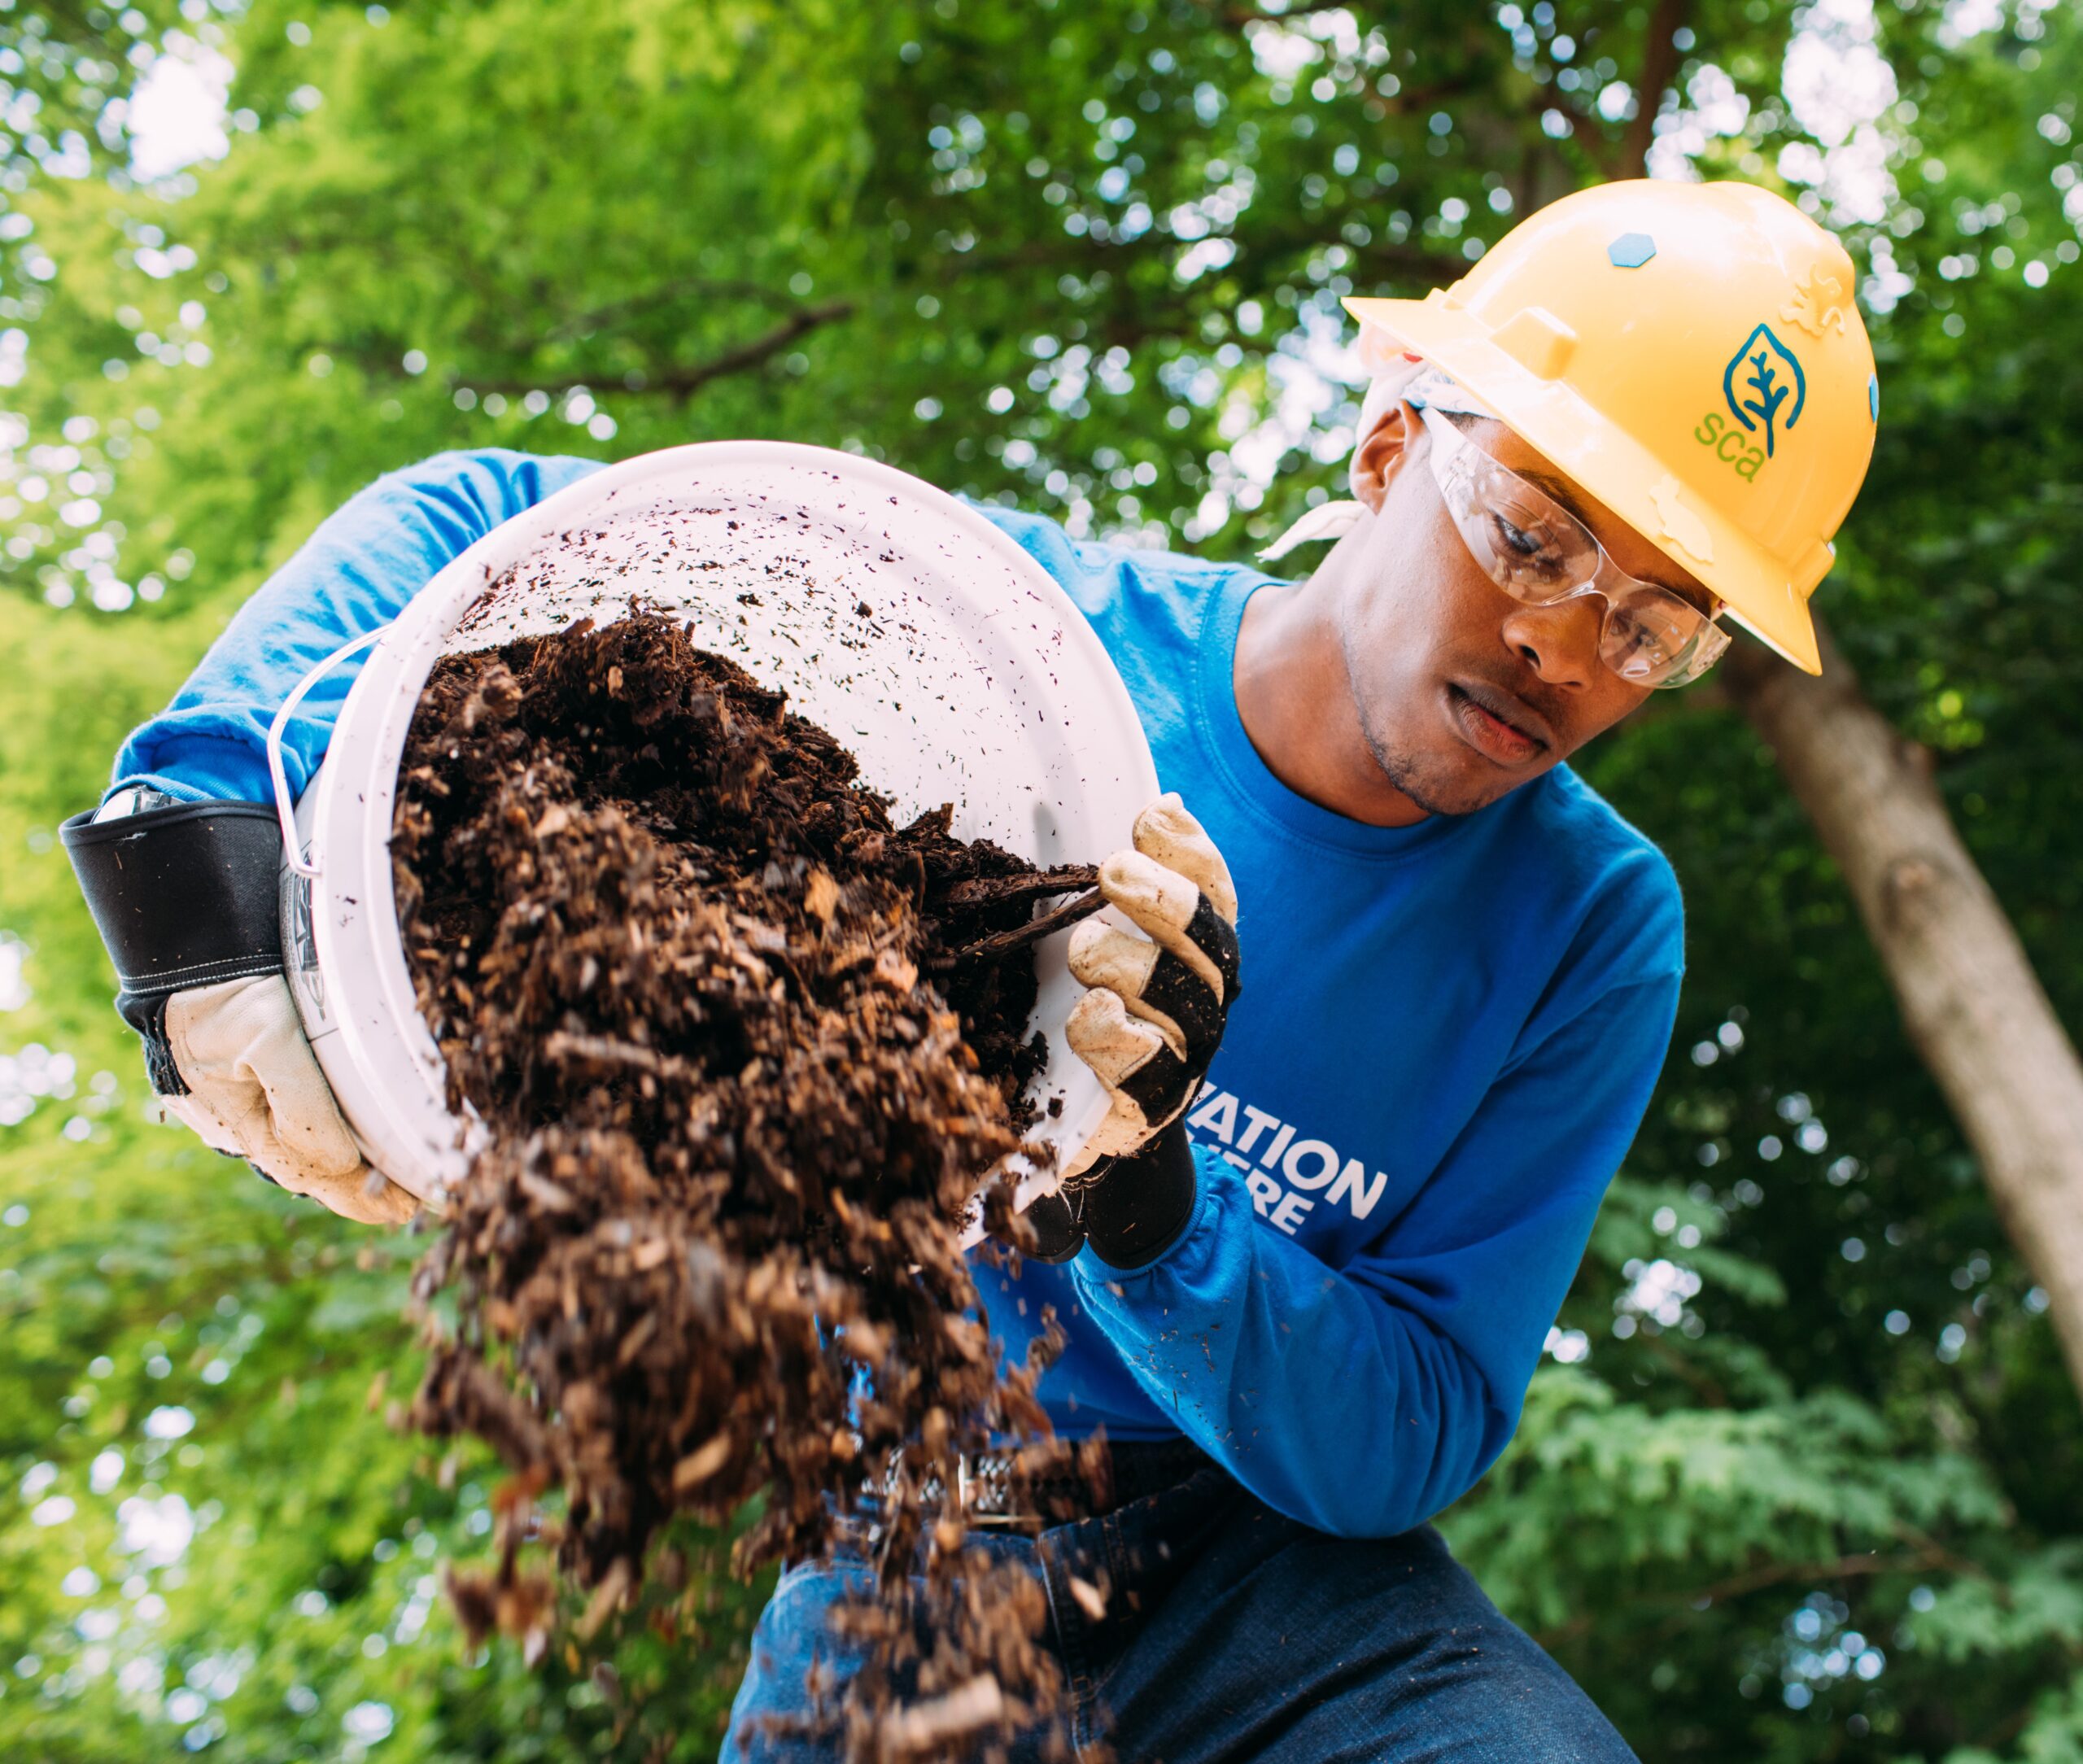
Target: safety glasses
[{"x": 1540, "y": 553}]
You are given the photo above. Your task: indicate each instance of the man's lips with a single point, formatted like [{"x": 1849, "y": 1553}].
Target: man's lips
[{"x": 1499, "y": 725}]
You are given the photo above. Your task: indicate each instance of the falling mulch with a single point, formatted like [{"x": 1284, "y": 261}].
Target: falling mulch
[{"x": 745, "y": 1050}]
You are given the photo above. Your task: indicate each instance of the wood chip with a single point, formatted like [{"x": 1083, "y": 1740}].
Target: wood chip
[
  {"x": 699, "y": 1465},
  {"x": 896, "y": 972},
  {"x": 929, "y": 1726},
  {"x": 821, "y": 895},
  {"x": 607, "y": 1598}
]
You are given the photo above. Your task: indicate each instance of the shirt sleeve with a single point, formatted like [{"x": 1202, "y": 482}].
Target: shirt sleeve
[
  {"x": 1362, "y": 1399},
  {"x": 355, "y": 574}
]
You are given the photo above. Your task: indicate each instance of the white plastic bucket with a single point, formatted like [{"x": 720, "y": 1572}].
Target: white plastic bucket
[{"x": 971, "y": 678}]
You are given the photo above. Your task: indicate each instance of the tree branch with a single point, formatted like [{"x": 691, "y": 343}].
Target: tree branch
[
  {"x": 1844, "y": 1568},
  {"x": 1590, "y": 138},
  {"x": 580, "y": 323},
  {"x": 1085, "y": 255},
  {"x": 679, "y": 384},
  {"x": 1002, "y": 944},
  {"x": 1661, "y": 59},
  {"x": 1865, "y": 1562}
]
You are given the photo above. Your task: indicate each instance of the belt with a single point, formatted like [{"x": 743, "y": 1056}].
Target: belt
[{"x": 991, "y": 1492}]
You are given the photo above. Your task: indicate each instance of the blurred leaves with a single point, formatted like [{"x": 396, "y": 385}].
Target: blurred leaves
[{"x": 1800, "y": 1485}]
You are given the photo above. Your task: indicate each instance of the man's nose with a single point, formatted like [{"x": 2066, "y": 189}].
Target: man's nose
[{"x": 1559, "y": 641}]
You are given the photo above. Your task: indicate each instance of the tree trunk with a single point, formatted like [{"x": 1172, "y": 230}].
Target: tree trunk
[
  {"x": 1973, "y": 1005},
  {"x": 1974, "y": 1008}
]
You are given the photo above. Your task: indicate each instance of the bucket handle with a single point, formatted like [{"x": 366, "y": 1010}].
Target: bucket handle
[{"x": 285, "y": 809}]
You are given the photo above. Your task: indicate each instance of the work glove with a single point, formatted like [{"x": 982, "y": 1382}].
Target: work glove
[
  {"x": 184, "y": 894},
  {"x": 1149, "y": 1025},
  {"x": 255, "y": 1090}
]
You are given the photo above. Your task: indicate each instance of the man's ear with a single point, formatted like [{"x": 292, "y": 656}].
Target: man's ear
[
  {"x": 1384, "y": 445},
  {"x": 1387, "y": 425}
]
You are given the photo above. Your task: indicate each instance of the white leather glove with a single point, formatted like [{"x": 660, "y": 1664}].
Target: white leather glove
[
  {"x": 255, "y": 1090},
  {"x": 1149, "y": 1026},
  {"x": 1151, "y": 1022}
]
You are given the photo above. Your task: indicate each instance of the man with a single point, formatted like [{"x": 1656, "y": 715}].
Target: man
[{"x": 1305, "y": 1284}]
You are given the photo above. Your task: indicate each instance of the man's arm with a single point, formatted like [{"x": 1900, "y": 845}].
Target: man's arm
[
  {"x": 355, "y": 574},
  {"x": 1362, "y": 1400},
  {"x": 184, "y": 894}
]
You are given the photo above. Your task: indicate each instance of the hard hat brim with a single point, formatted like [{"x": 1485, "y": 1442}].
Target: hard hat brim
[{"x": 1608, "y": 464}]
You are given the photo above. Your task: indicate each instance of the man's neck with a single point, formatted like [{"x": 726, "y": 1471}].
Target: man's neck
[{"x": 1294, "y": 697}]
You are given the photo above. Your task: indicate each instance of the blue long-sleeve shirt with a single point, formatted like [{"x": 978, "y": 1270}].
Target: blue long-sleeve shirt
[{"x": 1445, "y": 1041}]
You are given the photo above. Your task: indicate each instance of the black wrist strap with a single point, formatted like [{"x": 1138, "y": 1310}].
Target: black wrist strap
[
  {"x": 1058, "y": 1236},
  {"x": 1138, "y": 1208},
  {"x": 1130, "y": 1210},
  {"x": 183, "y": 897}
]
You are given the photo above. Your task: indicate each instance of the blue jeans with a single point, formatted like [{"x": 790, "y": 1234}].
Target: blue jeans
[{"x": 1232, "y": 1634}]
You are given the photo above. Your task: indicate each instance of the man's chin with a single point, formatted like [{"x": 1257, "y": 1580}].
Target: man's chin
[{"x": 1441, "y": 784}]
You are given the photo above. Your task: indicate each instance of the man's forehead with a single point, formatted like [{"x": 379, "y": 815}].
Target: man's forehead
[{"x": 1634, "y": 554}]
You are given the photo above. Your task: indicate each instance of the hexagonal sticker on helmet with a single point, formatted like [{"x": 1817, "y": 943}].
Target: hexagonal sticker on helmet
[{"x": 1631, "y": 250}]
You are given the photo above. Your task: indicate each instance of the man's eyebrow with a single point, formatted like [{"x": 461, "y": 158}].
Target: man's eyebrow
[
  {"x": 1560, "y": 488},
  {"x": 1564, "y": 492}
]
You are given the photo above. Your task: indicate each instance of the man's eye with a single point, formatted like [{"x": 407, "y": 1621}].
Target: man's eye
[
  {"x": 1527, "y": 545},
  {"x": 1517, "y": 539},
  {"x": 1632, "y": 634}
]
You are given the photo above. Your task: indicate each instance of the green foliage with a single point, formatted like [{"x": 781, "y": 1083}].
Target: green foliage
[{"x": 1800, "y": 1485}]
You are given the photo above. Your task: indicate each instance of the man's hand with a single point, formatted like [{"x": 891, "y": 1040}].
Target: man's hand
[
  {"x": 1150, "y": 1022},
  {"x": 1149, "y": 1026},
  {"x": 255, "y": 1090},
  {"x": 183, "y": 895}
]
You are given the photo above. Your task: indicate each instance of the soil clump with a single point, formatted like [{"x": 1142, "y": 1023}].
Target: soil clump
[{"x": 743, "y": 1048}]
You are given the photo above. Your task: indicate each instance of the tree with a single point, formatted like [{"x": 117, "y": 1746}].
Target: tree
[{"x": 1088, "y": 258}]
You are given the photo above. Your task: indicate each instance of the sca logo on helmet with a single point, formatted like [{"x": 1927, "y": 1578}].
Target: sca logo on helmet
[{"x": 1760, "y": 378}]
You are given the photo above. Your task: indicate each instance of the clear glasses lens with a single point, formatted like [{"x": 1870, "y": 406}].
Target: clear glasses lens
[
  {"x": 1644, "y": 639},
  {"x": 1537, "y": 552},
  {"x": 1515, "y": 531}
]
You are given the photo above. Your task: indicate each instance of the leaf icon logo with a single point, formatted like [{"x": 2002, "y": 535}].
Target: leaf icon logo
[{"x": 1757, "y": 389}]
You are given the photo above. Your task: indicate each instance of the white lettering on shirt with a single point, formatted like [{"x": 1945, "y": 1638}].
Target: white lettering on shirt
[
  {"x": 1260, "y": 1121},
  {"x": 1264, "y": 1192},
  {"x": 1314, "y": 1166},
  {"x": 1348, "y": 1189},
  {"x": 1288, "y": 1214},
  {"x": 1216, "y": 1117},
  {"x": 1296, "y": 1168}
]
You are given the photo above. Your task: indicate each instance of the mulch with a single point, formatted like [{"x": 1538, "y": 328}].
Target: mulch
[{"x": 744, "y": 1049}]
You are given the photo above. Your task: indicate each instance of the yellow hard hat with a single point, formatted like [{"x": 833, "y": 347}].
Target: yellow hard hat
[{"x": 1691, "y": 355}]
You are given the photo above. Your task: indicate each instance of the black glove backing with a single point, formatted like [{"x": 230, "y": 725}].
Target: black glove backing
[{"x": 1149, "y": 1026}]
